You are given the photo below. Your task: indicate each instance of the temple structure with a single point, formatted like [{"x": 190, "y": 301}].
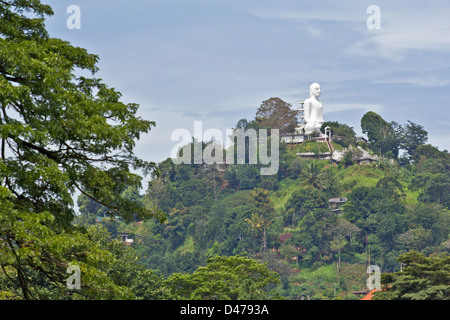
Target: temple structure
[
  {"x": 309, "y": 128},
  {"x": 311, "y": 118}
]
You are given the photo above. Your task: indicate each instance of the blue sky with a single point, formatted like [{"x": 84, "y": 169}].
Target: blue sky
[{"x": 216, "y": 60}]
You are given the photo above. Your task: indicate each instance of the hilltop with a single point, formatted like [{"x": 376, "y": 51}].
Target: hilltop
[
  {"x": 288, "y": 221},
  {"x": 318, "y": 223}
]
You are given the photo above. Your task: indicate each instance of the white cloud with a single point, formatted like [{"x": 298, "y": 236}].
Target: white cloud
[
  {"x": 405, "y": 29},
  {"x": 324, "y": 12},
  {"x": 420, "y": 79},
  {"x": 339, "y": 107}
]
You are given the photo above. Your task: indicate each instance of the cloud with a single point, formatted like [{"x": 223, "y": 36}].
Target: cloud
[
  {"x": 404, "y": 29},
  {"x": 327, "y": 11},
  {"x": 216, "y": 61},
  {"x": 426, "y": 78},
  {"x": 339, "y": 107}
]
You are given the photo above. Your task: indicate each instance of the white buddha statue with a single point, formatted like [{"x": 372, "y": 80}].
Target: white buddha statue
[{"x": 313, "y": 110}]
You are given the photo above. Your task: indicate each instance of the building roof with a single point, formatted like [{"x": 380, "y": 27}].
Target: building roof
[
  {"x": 369, "y": 295},
  {"x": 285, "y": 236},
  {"x": 337, "y": 200}
]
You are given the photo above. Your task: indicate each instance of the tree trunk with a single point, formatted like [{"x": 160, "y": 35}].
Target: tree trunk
[{"x": 264, "y": 240}]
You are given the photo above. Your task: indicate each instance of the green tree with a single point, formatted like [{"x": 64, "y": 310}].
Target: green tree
[
  {"x": 125, "y": 269},
  {"x": 193, "y": 192},
  {"x": 59, "y": 133},
  {"x": 372, "y": 125},
  {"x": 223, "y": 278},
  {"x": 260, "y": 198},
  {"x": 237, "y": 234},
  {"x": 428, "y": 151},
  {"x": 242, "y": 124},
  {"x": 243, "y": 176},
  {"x": 367, "y": 206},
  {"x": 303, "y": 201},
  {"x": 415, "y": 238},
  {"x": 432, "y": 217},
  {"x": 342, "y": 229},
  {"x": 174, "y": 228},
  {"x": 383, "y": 136},
  {"x": 391, "y": 187},
  {"x": 89, "y": 210},
  {"x": 422, "y": 278},
  {"x": 314, "y": 235},
  {"x": 379, "y": 215},
  {"x": 433, "y": 187},
  {"x": 37, "y": 269},
  {"x": 414, "y": 136},
  {"x": 341, "y": 132},
  {"x": 277, "y": 114},
  {"x": 347, "y": 160},
  {"x": 313, "y": 175},
  {"x": 260, "y": 224}
]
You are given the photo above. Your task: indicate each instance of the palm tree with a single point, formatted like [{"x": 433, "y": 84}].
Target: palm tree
[
  {"x": 260, "y": 224},
  {"x": 313, "y": 175}
]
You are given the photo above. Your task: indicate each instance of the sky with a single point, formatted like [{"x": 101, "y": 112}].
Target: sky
[{"x": 215, "y": 61}]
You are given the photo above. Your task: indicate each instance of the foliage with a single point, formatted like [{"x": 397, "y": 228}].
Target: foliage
[
  {"x": 422, "y": 278},
  {"x": 37, "y": 270},
  {"x": 277, "y": 114},
  {"x": 312, "y": 146},
  {"x": 302, "y": 201},
  {"x": 414, "y": 136},
  {"x": 235, "y": 277},
  {"x": 383, "y": 136},
  {"x": 341, "y": 132},
  {"x": 60, "y": 133},
  {"x": 312, "y": 175},
  {"x": 432, "y": 187}
]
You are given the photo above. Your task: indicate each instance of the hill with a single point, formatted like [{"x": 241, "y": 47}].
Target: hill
[{"x": 287, "y": 222}]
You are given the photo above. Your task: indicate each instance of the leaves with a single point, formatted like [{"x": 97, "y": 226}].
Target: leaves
[
  {"x": 59, "y": 133},
  {"x": 276, "y": 114},
  {"x": 231, "y": 280},
  {"x": 423, "y": 278}
]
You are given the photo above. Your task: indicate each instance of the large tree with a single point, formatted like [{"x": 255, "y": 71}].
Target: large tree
[
  {"x": 277, "y": 114},
  {"x": 223, "y": 278},
  {"x": 60, "y": 133},
  {"x": 414, "y": 136},
  {"x": 422, "y": 278},
  {"x": 302, "y": 201},
  {"x": 384, "y": 137}
]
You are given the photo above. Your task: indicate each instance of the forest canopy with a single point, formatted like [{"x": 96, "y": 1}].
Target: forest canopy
[{"x": 199, "y": 231}]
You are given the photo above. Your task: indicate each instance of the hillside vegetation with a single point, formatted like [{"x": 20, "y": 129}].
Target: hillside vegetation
[
  {"x": 286, "y": 221},
  {"x": 198, "y": 231}
]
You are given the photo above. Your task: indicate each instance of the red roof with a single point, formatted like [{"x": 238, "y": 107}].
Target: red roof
[
  {"x": 369, "y": 295},
  {"x": 285, "y": 236}
]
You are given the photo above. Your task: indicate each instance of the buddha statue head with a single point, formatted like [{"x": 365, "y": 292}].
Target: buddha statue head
[{"x": 314, "y": 90}]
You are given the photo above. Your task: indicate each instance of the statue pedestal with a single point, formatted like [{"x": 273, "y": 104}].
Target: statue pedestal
[{"x": 313, "y": 127}]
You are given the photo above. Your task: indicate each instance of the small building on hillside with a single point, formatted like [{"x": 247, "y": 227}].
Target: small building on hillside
[
  {"x": 337, "y": 204},
  {"x": 366, "y": 160},
  {"x": 361, "y": 139},
  {"x": 124, "y": 237},
  {"x": 292, "y": 137}
]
